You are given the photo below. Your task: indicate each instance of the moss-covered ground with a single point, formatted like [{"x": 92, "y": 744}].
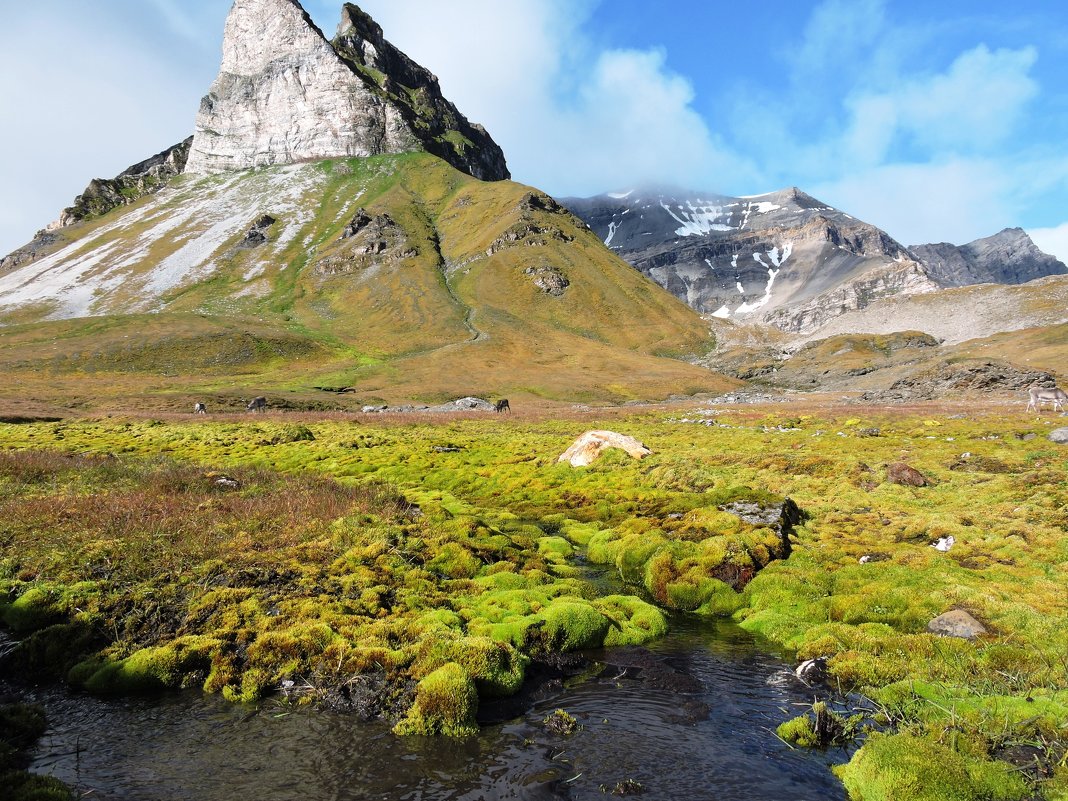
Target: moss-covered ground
[{"x": 433, "y": 558}]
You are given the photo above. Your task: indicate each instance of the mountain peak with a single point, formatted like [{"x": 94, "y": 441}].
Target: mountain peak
[
  {"x": 1007, "y": 257},
  {"x": 285, "y": 94},
  {"x": 355, "y": 20},
  {"x": 261, "y": 31}
]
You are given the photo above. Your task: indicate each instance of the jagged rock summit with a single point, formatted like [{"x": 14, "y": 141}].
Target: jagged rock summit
[
  {"x": 285, "y": 94},
  {"x": 1007, "y": 257}
]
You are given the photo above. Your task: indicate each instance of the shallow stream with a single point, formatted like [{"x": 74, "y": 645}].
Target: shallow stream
[{"x": 692, "y": 717}]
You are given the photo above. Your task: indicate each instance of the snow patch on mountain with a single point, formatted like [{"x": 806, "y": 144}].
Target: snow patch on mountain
[
  {"x": 748, "y": 308},
  {"x": 612, "y": 228},
  {"x": 183, "y": 234}
]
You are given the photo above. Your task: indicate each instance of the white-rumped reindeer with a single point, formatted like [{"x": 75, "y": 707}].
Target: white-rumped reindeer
[
  {"x": 257, "y": 405},
  {"x": 200, "y": 408},
  {"x": 1040, "y": 395}
]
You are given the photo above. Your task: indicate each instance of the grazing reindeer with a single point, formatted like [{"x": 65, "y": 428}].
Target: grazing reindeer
[
  {"x": 200, "y": 408},
  {"x": 1039, "y": 395},
  {"x": 257, "y": 405},
  {"x": 502, "y": 406}
]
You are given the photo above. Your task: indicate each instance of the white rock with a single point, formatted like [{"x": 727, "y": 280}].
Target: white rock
[
  {"x": 283, "y": 95},
  {"x": 944, "y": 543},
  {"x": 585, "y": 450}
]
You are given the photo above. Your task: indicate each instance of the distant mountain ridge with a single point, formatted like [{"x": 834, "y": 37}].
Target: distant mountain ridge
[
  {"x": 764, "y": 258},
  {"x": 788, "y": 259},
  {"x": 1007, "y": 257}
]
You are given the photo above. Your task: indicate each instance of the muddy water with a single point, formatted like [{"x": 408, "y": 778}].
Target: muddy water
[{"x": 690, "y": 718}]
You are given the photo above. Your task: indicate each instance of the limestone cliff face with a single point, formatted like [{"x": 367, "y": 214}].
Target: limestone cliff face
[
  {"x": 899, "y": 279},
  {"x": 285, "y": 94}
]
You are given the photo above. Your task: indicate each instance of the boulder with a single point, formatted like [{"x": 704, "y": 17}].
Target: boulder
[
  {"x": 587, "y": 448},
  {"x": 901, "y": 473},
  {"x": 956, "y": 623},
  {"x": 1059, "y": 436}
]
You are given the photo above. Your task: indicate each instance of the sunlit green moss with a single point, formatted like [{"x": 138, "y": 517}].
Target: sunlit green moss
[
  {"x": 495, "y": 565},
  {"x": 631, "y": 620},
  {"x": 445, "y": 703},
  {"x": 906, "y": 768}
]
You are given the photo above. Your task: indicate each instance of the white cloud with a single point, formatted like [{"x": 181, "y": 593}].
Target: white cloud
[
  {"x": 572, "y": 118},
  {"x": 972, "y": 106},
  {"x": 1053, "y": 241},
  {"x": 956, "y": 201}
]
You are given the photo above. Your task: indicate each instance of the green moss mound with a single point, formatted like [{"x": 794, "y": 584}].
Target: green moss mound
[
  {"x": 698, "y": 560},
  {"x": 22, "y": 786},
  {"x": 822, "y": 728},
  {"x": 906, "y": 768},
  {"x": 445, "y": 703}
]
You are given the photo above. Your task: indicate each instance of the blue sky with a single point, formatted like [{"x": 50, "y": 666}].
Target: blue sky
[{"x": 940, "y": 121}]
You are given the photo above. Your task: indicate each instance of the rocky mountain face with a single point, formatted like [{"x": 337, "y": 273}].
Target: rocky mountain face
[
  {"x": 1008, "y": 257},
  {"x": 285, "y": 94},
  {"x": 783, "y": 258}
]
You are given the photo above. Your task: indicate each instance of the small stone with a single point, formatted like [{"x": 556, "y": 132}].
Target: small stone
[
  {"x": 812, "y": 671},
  {"x": 901, "y": 473},
  {"x": 956, "y": 623},
  {"x": 943, "y": 544},
  {"x": 1060, "y": 436}
]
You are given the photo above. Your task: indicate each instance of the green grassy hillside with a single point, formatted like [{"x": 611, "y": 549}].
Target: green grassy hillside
[{"x": 397, "y": 276}]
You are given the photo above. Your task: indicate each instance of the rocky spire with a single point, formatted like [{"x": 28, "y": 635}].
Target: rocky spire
[{"x": 285, "y": 94}]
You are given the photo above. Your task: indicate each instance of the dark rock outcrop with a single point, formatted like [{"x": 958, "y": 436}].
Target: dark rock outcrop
[
  {"x": 143, "y": 178},
  {"x": 437, "y": 123},
  {"x": 548, "y": 279},
  {"x": 257, "y": 234},
  {"x": 367, "y": 241},
  {"x": 41, "y": 245}
]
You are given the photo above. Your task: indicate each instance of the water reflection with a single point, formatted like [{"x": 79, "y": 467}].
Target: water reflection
[{"x": 690, "y": 718}]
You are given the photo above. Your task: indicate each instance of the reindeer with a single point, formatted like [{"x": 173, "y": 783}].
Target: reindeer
[
  {"x": 257, "y": 405},
  {"x": 1040, "y": 395},
  {"x": 502, "y": 406},
  {"x": 200, "y": 408}
]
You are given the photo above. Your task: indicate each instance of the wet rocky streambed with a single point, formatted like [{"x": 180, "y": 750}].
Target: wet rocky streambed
[{"x": 690, "y": 717}]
